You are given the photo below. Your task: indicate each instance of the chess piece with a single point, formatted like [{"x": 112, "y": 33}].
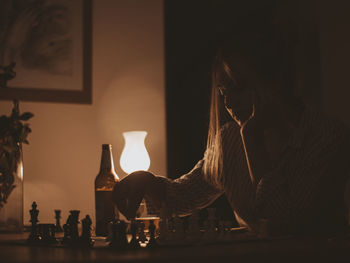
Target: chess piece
[
  {"x": 47, "y": 234},
  {"x": 152, "y": 243},
  {"x": 264, "y": 228},
  {"x": 70, "y": 229},
  {"x": 134, "y": 243},
  {"x": 222, "y": 232},
  {"x": 73, "y": 225},
  {"x": 194, "y": 233},
  {"x": 109, "y": 231},
  {"x": 123, "y": 237},
  {"x": 142, "y": 236},
  {"x": 52, "y": 233},
  {"x": 85, "y": 238},
  {"x": 178, "y": 230},
  {"x": 163, "y": 225},
  {"x": 66, "y": 238},
  {"x": 210, "y": 234},
  {"x": 33, "y": 236},
  {"x": 119, "y": 239},
  {"x": 58, "y": 227},
  {"x": 206, "y": 236},
  {"x": 228, "y": 234}
]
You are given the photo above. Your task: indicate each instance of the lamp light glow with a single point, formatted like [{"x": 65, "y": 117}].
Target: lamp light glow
[{"x": 134, "y": 156}]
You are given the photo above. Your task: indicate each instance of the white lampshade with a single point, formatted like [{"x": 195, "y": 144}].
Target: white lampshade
[{"x": 134, "y": 156}]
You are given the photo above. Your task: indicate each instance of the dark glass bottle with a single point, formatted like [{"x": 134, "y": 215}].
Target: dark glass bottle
[{"x": 106, "y": 211}]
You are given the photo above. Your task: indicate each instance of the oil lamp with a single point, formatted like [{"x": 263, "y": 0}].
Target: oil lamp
[{"x": 134, "y": 156}]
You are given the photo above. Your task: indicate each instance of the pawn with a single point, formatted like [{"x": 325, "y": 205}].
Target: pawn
[
  {"x": 119, "y": 239},
  {"x": 210, "y": 229},
  {"x": 134, "y": 243},
  {"x": 142, "y": 236},
  {"x": 85, "y": 238},
  {"x": 109, "y": 231},
  {"x": 70, "y": 230},
  {"x": 52, "y": 233},
  {"x": 163, "y": 225},
  {"x": 73, "y": 224},
  {"x": 194, "y": 233},
  {"x": 58, "y": 227},
  {"x": 178, "y": 230},
  {"x": 47, "y": 234},
  {"x": 152, "y": 240},
  {"x": 209, "y": 235},
  {"x": 67, "y": 237},
  {"x": 222, "y": 232}
]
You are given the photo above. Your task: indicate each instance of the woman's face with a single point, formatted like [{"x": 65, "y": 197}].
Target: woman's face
[{"x": 237, "y": 85}]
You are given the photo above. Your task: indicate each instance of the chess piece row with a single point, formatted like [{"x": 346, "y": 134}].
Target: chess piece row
[
  {"x": 40, "y": 233},
  {"x": 71, "y": 233},
  {"x": 173, "y": 232},
  {"x": 45, "y": 233},
  {"x": 119, "y": 238}
]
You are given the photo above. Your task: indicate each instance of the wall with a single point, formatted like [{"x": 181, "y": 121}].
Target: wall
[
  {"x": 128, "y": 94},
  {"x": 63, "y": 157},
  {"x": 334, "y": 22}
]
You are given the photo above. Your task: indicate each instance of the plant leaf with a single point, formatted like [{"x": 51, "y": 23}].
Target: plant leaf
[{"x": 26, "y": 116}]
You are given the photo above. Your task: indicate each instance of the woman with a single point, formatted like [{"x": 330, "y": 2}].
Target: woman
[{"x": 280, "y": 163}]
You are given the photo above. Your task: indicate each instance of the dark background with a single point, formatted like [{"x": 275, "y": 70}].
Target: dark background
[{"x": 192, "y": 29}]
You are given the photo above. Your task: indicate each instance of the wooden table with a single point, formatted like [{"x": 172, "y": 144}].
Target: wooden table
[{"x": 277, "y": 250}]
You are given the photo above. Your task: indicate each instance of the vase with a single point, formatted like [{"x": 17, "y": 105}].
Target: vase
[{"x": 11, "y": 209}]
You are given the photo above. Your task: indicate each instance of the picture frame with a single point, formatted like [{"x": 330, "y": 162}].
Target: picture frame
[{"x": 51, "y": 43}]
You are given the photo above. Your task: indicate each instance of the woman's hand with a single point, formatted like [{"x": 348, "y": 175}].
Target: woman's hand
[
  {"x": 253, "y": 125},
  {"x": 241, "y": 123},
  {"x": 252, "y": 135},
  {"x": 129, "y": 192}
]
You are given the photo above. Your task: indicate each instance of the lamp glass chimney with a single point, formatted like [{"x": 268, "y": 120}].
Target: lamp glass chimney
[{"x": 134, "y": 156}]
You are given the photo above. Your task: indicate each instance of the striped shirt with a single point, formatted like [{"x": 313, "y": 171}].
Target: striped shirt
[{"x": 303, "y": 192}]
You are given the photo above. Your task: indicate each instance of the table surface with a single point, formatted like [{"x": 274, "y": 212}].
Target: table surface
[{"x": 242, "y": 250}]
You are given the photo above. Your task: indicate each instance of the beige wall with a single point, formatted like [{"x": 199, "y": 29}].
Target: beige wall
[{"x": 63, "y": 158}]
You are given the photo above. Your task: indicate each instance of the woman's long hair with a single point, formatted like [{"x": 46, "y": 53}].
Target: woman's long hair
[
  {"x": 213, "y": 157},
  {"x": 268, "y": 56}
]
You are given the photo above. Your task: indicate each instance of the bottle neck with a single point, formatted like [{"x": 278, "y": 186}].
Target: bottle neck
[{"x": 107, "y": 164}]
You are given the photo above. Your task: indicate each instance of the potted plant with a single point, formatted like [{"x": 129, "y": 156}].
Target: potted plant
[{"x": 13, "y": 132}]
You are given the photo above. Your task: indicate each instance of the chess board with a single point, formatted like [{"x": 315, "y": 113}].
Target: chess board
[
  {"x": 237, "y": 235},
  {"x": 138, "y": 233}
]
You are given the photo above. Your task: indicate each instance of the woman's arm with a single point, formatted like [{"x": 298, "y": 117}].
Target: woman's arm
[
  {"x": 181, "y": 196},
  {"x": 185, "y": 194}
]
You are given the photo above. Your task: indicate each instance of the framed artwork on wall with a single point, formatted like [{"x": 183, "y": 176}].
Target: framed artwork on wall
[{"x": 50, "y": 42}]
